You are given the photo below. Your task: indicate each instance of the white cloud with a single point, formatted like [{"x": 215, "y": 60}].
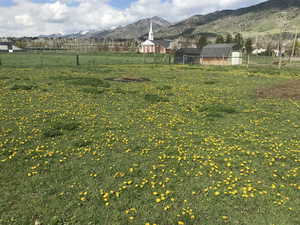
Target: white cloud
[{"x": 65, "y": 16}]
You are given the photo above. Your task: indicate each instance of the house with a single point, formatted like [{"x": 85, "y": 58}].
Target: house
[
  {"x": 221, "y": 54},
  {"x": 187, "y": 56},
  {"x": 8, "y": 47},
  {"x": 154, "y": 46},
  {"x": 259, "y": 51}
]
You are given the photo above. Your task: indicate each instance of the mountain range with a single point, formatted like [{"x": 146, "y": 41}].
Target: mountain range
[{"x": 267, "y": 18}]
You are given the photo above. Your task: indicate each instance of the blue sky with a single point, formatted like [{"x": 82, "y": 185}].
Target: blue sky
[
  {"x": 119, "y": 4},
  {"x": 36, "y": 17},
  {"x": 6, "y": 3}
]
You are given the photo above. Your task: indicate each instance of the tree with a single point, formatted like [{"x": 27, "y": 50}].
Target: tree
[
  {"x": 219, "y": 39},
  {"x": 248, "y": 46},
  {"x": 228, "y": 38},
  {"x": 202, "y": 42},
  {"x": 238, "y": 39}
]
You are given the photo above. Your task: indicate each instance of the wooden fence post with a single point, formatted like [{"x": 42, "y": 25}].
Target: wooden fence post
[
  {"x": 248, "y": 61},
  {"x": 77, "y": 60}
]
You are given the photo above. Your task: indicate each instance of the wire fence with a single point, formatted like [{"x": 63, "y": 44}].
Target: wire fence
[
  {"x": 40, "y": 59},
  {"x": 246, "y": 60},
  {"x": 35, "y": 59}
]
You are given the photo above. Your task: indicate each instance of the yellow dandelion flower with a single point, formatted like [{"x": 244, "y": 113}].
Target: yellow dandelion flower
[{"x": 217, "y": 193}]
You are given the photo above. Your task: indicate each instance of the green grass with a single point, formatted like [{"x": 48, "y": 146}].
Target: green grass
[{"x": 194, "y": 145}]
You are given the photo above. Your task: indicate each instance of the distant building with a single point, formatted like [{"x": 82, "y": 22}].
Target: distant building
[
  {"x": 8, "y": 47},
  {"x": 154, "y": 46},
  {"x": 214, "y": 54},
  {"x": 221, "y": 54},
  {"x": 187, "y": 56},
  {"x": 259, "y": 51}
]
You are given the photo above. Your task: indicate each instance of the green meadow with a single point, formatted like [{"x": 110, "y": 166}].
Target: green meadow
[{"x": 189, "y": 145}]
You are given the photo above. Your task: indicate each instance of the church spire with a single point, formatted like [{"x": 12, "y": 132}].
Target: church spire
[{"x": 151, "y": 36}]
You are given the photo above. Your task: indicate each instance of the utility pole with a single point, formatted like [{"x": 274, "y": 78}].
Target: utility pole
[
  {"x": 283, "y": 25},
  {"x": 294, "y": 45}
]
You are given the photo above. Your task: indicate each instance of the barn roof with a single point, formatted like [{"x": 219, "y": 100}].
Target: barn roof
[
  {"x": 189, "y": 51},
  {"x": 218, "y": 50}
]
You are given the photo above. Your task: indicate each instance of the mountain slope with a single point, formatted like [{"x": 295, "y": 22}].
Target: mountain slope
[
  {"x": 135, "y": 30},
  {"x": 264, "y": 18}
]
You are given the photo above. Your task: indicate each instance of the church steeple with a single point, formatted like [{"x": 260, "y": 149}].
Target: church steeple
[{"x": 151, "y": 36}]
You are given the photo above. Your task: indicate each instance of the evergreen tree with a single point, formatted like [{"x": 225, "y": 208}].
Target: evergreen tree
[
  {"x": 219, "y": 39},
  {"x": 202, "y": 42},
  {"x": 238, "y": 39},
  {"x": 248, "y": 46},
  {"x": 229, "y": 38}
]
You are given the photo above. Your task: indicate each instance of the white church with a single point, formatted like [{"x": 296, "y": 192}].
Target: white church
[{"x": 154, "y": 46}]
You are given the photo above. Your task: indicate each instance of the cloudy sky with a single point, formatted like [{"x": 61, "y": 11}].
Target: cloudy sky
[{"x": 34, "y": 17}]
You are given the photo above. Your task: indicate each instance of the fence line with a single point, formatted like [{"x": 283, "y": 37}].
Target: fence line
[
  {"x": 245, "y": 60},
  {"x": 29, "y": 59}
]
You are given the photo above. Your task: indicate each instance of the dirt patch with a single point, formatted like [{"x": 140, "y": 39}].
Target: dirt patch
[
  {"x": 127, "y": 79},
  {"x": 289, "y": 90}
]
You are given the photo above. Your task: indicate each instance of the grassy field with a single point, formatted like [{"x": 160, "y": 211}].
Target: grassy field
[{"x": 194, "y": 145}]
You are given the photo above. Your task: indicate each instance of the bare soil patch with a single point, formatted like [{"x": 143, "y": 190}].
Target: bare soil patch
[
  {"x": 289, "y": 90},
  {"x": 127, "y": 79}
]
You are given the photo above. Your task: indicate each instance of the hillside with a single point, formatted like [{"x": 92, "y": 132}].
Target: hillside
[
  {"x": 135, "y": 30},
  {"x": 261, "y": 19}
]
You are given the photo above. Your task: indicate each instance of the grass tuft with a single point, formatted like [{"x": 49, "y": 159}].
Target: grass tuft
[
  {"x": 88, "y": 81},
  {"x": 93, "y": 90},
  {"x": 164, "y": 88},
  {"x": 155, "y": 98},
  {"x": 22, "y": 87},
  {"x": 52, "y": 133},
  {"x": 66, "y": 125}
]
